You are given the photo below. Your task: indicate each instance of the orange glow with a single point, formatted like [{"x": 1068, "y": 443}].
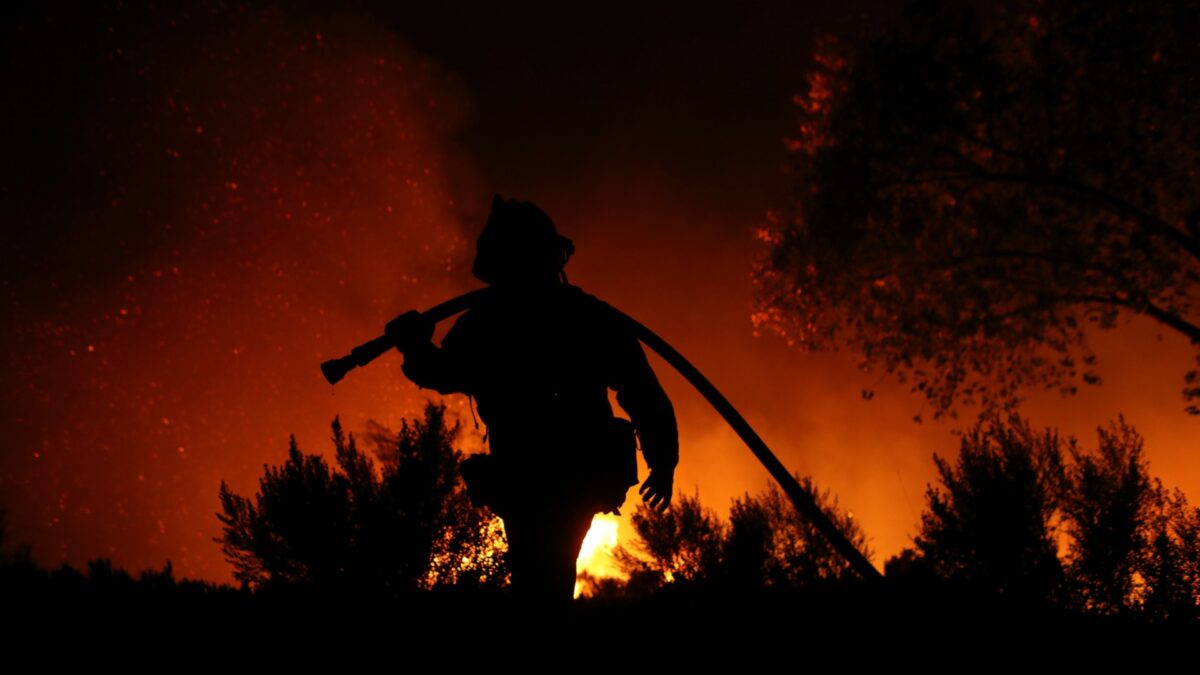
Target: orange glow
[
  {"x": 172, "y": 341},
  {"x": 482, "y": 559},
  {"x": 595, "y": 556}
]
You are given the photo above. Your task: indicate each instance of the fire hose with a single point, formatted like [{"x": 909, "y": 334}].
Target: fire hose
[{"x": 334, "y": 370}]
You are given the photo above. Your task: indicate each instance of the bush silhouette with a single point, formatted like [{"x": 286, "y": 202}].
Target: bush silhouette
[
  {"x": 1130, "y": 547},
  {"x": 765, "y": 543},
  {"x": 1171, "y": 570},
  {"x": 771, "y": 544},
  {"x": 991, "y": 526},
  {"x": 680, "y": 544},
  {"x": 1108, "y": 506},
  {"x": 402, "y": 526}
]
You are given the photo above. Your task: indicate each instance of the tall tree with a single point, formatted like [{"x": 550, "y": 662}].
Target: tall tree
[{"x": 976, "y": 184}]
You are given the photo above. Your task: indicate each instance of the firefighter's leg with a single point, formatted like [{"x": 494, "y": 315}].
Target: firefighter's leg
[{"x": 543, "y": 545}]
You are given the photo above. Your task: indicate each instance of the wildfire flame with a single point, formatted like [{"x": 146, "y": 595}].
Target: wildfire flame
[{"x": 595, "y": 555}]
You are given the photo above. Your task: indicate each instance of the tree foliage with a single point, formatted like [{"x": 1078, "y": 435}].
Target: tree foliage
[
  {"x": 977, "y": 184},
  {"x": 1033, "y": 516},
  {"x": 1171, "y": 571},
  {"x": 771, "y": 544},
  {"x": 683, "y": 543},
  {"x": 404, "y": 525},
  {"x": 1109, "y": 502},
  {"x": 992, "y": 525},
  {"x": 765, "y": 543}
]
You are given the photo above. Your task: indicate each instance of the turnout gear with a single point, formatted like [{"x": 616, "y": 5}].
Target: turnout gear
[
  {"x": 539, "y": 365},
  {"x": 538, "y": 356}
]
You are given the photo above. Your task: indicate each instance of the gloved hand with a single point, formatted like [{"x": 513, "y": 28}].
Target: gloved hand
[
  {"x": 410, "y": 331},
  {"x": 657, "y": 489}
]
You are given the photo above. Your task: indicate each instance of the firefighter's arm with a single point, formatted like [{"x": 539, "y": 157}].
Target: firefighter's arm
[
  {"x": 640, "y": 394},
  {"x": 427, "y": 365}
]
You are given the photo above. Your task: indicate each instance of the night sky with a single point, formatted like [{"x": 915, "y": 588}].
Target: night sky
[{"x": 200, "y": 205}]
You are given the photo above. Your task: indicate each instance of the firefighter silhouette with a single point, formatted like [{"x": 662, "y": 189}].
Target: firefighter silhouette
[{"x": 537, "y": 357}]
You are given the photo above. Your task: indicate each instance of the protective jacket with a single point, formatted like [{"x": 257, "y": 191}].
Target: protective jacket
[{"x": 540, "y": 361}]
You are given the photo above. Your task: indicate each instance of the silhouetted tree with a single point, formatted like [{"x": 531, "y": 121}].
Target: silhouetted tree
[
  {"x": 683, "y": 543},
  {"x": 1132, "y": 547},
  {"x": 909, "y": 567},
  {"x": 978, "y": 183},
  {"x": 766, "y": 542},
  {"x": 770, "y": 543},
  {"x": 991, "y": 526},
  {"x": 405, "y": 526},
  {"x": 465, "y": 544},
  {"x": 1171, "y": 571},
  {"x": 20, "y": 559},
  {"x": 296, "y": 530},
  {"x": 1108, "y": 509}
]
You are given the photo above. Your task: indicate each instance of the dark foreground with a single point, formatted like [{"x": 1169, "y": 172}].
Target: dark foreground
[{"x": 115, "y": 615}]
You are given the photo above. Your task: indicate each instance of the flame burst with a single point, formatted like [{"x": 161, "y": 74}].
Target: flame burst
[{"x": 595, "y": 555}]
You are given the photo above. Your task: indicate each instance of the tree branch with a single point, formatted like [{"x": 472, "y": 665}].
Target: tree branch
[
  {"x": 1145, "y": 306},
  {"x": 1153, "y": 224}
]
